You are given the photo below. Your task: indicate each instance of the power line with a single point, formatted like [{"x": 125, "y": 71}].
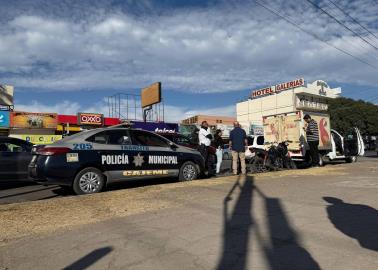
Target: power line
[
  {"x": 353, "y": 19},
  {"x": 360, "y": 50},
  {"x": 340, "y": 23},
  {"x": 313, "y": 34}
]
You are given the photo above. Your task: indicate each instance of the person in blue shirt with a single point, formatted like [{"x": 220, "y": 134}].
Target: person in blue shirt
[{"x": 238, "y": 144}]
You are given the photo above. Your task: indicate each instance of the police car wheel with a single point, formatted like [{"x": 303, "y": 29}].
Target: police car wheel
[
  {"x": 89, "y": 180},
  {"x": 188, "y": 172}
]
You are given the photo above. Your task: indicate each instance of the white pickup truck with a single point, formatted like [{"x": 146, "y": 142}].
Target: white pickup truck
[{"x": 332, "y": 146}]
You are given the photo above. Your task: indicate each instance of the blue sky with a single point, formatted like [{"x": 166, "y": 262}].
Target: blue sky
[{"x": 66, "y": 55}]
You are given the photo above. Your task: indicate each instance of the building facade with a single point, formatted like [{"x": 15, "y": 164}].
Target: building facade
[
  {"x": 210, "y": 119},
  {"x": 284, "y": 98}
]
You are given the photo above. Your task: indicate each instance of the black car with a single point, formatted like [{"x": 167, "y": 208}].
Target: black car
[
  {"x": 89, "y": 160},
  {"x": 15, "y": 156},
  {"x": 183, "y": 140}
]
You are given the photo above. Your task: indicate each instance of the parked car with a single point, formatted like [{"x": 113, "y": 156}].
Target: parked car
[
  {"x": 183, "y": 140},
  {"x": 254, "y": 142},
  {"x": 346, "y": 148},
  {"x": 15, "y": 156},
  {"x": 227, "y": 152},
  {"x": 89, "y": 160}
]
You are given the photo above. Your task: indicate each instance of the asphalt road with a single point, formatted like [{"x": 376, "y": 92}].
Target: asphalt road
[
  {"x": 321, "y": 218},
  {"x": 21, "y": 191}
]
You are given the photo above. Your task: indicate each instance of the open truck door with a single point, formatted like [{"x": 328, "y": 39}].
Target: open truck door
[{"x": 353, "y": 144}]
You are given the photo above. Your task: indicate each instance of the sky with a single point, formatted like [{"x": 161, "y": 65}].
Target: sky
[{"x": 67, "y": 56}]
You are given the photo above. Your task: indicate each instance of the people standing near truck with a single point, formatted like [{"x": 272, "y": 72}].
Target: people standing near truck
[
  {"x": 205, "y": 137},
  {"x": 218, "y": 144},
  {"x": 238, "y": 143},
  {"x": 312, "y": 135}
]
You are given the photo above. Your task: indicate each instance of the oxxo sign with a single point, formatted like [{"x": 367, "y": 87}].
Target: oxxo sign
[
  {"x": 275, "y": 89},
  {"x": 90, "y": 119}
]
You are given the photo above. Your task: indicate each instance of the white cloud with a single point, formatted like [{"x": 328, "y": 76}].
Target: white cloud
[{"x": 207, "y": 50}]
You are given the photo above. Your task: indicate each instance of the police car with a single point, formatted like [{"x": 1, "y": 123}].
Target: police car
[{"x": 89, "y": 160}]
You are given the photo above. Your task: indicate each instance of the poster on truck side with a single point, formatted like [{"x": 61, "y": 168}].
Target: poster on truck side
[
  {"x": 289, "y": 127},
  {"x": 324, "y": 126},
  {"x": 284, "y": 127}
]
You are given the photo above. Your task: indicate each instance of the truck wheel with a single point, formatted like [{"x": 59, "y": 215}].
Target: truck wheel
[
  {"x": 87, "y": 181},
  {"x": 188, "y": 172},
  {"x": 351, "y": 159}
]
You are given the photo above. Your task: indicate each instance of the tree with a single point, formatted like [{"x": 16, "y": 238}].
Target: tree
[{"x": 346, "y": 113}]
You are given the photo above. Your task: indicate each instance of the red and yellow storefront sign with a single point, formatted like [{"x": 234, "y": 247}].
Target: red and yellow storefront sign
[
  {"x": 37, "y": 139},
  {"x": 33, "y": 120}
]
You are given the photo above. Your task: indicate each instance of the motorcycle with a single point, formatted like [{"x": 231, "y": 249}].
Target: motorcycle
[
  {"x": 256, "y": 163},
  {"x": 277, "y": 157},
  {"x": 284, "y": 155}
]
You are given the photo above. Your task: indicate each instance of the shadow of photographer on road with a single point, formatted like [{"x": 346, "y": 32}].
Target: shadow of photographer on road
[{"x": 357, "y": 221}]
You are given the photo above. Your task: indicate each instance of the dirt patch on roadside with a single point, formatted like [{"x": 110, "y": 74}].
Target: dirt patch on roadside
[
  {"x": 22, "y": 219},
  {"x": 327, "y": 170},
  {"x": 48, "y": 216}
]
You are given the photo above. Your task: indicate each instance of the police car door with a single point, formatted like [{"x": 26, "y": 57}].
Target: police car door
[
  {"x": 111, "y": 146},
  {"x": 158, "y": 157}
]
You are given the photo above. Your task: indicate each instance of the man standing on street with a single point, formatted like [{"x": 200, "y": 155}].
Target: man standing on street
[
  {"x": 238, "y": 142},
  {"x": 312, "y": 134},
  {"x": 204, "y": 137}
]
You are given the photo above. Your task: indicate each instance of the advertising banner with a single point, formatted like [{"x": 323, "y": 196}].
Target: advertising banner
[
  {"x": 256, "y": 130},
  {"x": 324, "y": 126},
  {"x": 151, "y": 95},
  {"x": 156, "y": 127},
  {"x": 33, "y": 120},
  {"x": 37, "y": 139},
  {"x": 93, "y": 119},
  {"x": 4, "y": 119}
]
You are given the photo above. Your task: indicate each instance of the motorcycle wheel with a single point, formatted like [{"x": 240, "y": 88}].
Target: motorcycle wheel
[{"x": 257, "y": 165}]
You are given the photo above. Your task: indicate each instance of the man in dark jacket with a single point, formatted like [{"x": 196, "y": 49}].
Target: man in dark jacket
[
  {"x": 312, "y": 134},
  {"x": 238, "y": 143}
]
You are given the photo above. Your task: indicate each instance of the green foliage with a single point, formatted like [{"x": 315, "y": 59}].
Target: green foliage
[{"x": 346, "y": 113}]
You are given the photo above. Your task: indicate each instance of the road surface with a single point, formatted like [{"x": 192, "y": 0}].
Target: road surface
[{"x": 321, "y": 218}]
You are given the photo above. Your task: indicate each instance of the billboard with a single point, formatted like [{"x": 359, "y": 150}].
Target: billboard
[
  {"x": 151, "y": 95},
  {"x": 94, "y": 119},
  {"x": 156, "y": 127},
  {"x": 37, "y": 139},
  {"x": 4, "y": 119},
  {"x": 6, "y": 95},
  {"x": 33, "y": 120}
]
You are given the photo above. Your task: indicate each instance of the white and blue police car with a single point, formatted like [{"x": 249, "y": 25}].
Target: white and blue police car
[{"x": 89, "y": 160}]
